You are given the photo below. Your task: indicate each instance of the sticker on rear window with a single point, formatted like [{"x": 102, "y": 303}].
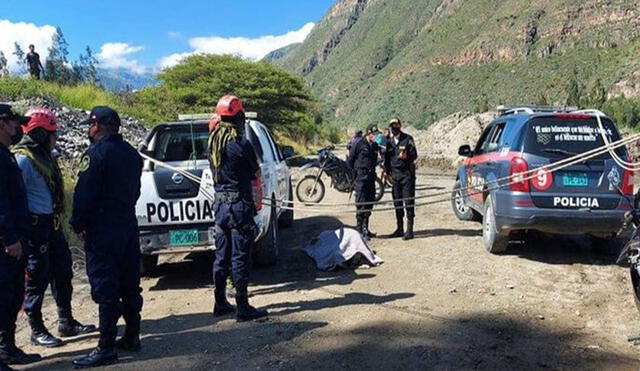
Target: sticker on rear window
[{"x": 547, "y": 133}]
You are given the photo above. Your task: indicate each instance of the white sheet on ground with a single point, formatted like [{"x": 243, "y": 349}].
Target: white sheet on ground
[{"x": 341, "y": 247}]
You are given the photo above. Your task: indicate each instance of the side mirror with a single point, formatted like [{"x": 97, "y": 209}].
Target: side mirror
[
  {"x": 465, "y": 151},
  {"x": 288, "y": 152}
]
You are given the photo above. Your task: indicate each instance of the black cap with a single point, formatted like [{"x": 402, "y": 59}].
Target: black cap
[
  {"x": 103, "y": 115},
  {"x": 7, "y": 114},
  {"x": 372, "y": 129}
]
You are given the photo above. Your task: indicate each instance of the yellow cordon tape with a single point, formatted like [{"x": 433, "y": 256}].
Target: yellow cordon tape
[{"x": 516, "y": 178}]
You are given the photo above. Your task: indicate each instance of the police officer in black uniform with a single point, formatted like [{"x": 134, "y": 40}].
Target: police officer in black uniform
[
  {"x": 13, "y": 226},
  {"x": 363, "y": 160},
  {"x": 104, "y": 217},
  {"x": 400, "y": 163},
  {"x": 234, "y": 166}
]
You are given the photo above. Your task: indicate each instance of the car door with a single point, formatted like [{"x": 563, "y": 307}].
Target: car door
[
  {"x": 484, "y": 162},
  {"x": 279, "y": 166}
]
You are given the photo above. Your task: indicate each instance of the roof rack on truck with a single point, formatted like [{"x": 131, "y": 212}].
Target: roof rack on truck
[
  {"x": 208, "y": 116},
  {"x": 511, "y": 110}
]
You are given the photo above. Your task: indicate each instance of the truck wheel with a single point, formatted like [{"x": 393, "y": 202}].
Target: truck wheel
[
  {"x": 266, "y": 252},
  {"x": 148, "y": 265},
  {"x": 286, "y": 217},
  {"x": 379, "y": 189},
  {"x": 494, "y": 242},
  {"x": 462, "y": 211},
  {"x": 309, "y": 191}
]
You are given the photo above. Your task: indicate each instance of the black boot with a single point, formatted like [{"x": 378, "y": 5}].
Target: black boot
[
  {"x": 399, "y": 232},
  {"x": 41, "y": 337},
  {"x": 70, "y": 327},
  {"x": 366, "y": 227},
  {"x": 409, "y": 234},
  {"x": 4, "y": 367},
  {"x": 97, "y": 357},
  {"x": 245, "y": 311},
  {"x": 222, "y": 307}
]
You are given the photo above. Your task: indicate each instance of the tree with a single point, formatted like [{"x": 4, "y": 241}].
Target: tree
[
  {"x": 281, "y": 99},
  {"x": 19, "y": 53},
  {"x": 596, "y": 97},
  {"x": 573, "y": 90},
  {"x": 4, "y": 71},
  {"x": 86, "y": 70},
  {"x": 57, "y": 65}
]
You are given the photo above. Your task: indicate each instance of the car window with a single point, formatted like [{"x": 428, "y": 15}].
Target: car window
[
  {"x": 562, "y": 137},
  {"x": 492, "y": 144},
  {"x": 181, "y": 144},
  {"x": 274, "y": 148},
  {"x": 483, "y": 139},
  {"x": 255, "y": 143},
  {"x": 266, "y": 145}
]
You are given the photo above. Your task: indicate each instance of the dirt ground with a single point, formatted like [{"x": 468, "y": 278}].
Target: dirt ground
[{"x": 438, "y": 302}]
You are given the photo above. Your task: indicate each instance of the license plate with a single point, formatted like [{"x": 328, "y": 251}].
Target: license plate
[
  {"x": 575, "y": 180},
  {"x": 184, "y": 237}
]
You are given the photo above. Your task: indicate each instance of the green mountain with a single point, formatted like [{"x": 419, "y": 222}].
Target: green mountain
[{"x": 369, "y": 60}]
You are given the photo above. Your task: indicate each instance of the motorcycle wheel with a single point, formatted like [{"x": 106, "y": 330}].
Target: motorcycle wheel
[
  {"x": 379, "y": 189},
  {"x": 309, "y": 191}
]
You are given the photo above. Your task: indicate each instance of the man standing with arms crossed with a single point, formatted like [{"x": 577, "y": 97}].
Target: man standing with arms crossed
[
  {"x": 13, "y": 228},
  {"x": 104, "y": 217},
  {"x": 400, "y": 163}
]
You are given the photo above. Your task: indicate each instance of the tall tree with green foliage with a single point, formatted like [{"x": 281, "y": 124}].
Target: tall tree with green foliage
[
  {"x": 281, "y": 99},
  {"x": 56, "y": 67},
  {"x": 4, "y": 71},
  {"x": 19, "y": 53},
  {"x": 86, "y": 68}
]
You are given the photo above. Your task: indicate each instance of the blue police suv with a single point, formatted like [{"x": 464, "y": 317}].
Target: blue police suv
[{"x": 588, "y": 197}]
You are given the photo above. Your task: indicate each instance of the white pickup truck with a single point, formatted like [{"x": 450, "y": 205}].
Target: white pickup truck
[{"x": 175, "y": 214}]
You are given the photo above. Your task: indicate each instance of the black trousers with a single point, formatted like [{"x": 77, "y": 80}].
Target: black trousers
[
  {"x": 113, "y": 267},
  {"x": 365, "y": 188},
  {"x": 11, "y": 296},
  {"x": 48, "y": 262},
  {"x": 404, "y": 186}
]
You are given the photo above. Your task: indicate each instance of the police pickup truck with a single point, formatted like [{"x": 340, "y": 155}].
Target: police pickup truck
[
  {"x": 588, "y": 197},
  {"x": 176, "y": 214}
]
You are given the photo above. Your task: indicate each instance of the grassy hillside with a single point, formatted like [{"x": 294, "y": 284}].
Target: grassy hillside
[{"x": 369, "y": 60}]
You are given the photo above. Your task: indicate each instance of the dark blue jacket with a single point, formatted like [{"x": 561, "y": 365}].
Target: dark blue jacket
[
  {"x": 13, "y": 200},
  {"x": 238, "y": 169},
  {"x": 108, "y": 185},
  {"x": 364, "y": 156}
]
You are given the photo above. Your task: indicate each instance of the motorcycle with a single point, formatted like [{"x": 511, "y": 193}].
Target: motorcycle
[{"x": 311, "y": 188}]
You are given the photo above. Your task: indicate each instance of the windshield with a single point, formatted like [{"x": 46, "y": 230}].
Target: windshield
[
  {"x": 181, "y": 144},
  {"x": 565, "y": 137}
]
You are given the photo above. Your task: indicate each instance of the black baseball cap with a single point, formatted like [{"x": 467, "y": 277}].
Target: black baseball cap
[
  {"x": 7, "y": 114},
  {"x": 372, "y": 129},
  {"x": 103, "y": 115}
]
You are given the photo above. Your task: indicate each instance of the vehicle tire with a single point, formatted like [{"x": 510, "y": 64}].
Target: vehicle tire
[
  {"x": 267, "y": 249},
  {"x": 148, "y": 265},
  {"x": 380, "y": 188},
  {"x": 462, "y": 211},
  {"x": 494, "y": 241},
  {"x": 306, "y": 192},
  {"x": 286, "y": 217}
]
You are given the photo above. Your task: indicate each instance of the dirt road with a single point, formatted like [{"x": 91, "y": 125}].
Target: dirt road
[{"x": 438, "y": 302}]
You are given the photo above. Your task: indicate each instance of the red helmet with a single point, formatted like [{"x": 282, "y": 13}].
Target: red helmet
[
  {"x": 42, "y": 117},
  {"x": 213, "y": 123},
  {"x": 229, "y": 105}
]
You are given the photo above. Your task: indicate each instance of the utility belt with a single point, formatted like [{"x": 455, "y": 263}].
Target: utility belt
[
  {"x": 227, "y": 197},
  {"x": 41, "y": 226}
]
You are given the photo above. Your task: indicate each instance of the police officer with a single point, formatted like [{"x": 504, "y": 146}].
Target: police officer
[
  {"x": 400, "y": 161},
  {"x": 234, "y": 166},
  {"x": 48, "y": 256},
  {"x": 363, "y": 159},
  {"x": 13, "y": 229},
  {"x": 104, "y": 217}
]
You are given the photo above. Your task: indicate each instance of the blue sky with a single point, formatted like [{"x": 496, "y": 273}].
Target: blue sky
[{"x": 147, "y": 34}]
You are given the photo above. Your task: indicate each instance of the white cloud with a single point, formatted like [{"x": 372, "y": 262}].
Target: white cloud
[
  {"x": 117, "y": 55},
  {"x": 252, "y": 49},
  {"x": 24, "y": 34}
]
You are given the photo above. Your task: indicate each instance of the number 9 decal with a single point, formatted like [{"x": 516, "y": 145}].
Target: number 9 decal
[{"x": 542, "y": 179}]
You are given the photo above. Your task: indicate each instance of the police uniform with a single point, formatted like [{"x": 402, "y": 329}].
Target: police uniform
[
  {"x": 400, "y": 160},
  {"x": 13, "y": 228},
  {"x": 104, "y": 209},
  {"x": 363, "y": 160}
]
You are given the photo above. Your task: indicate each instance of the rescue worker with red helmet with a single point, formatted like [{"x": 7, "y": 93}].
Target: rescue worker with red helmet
[
  {"x": 234, "y": 166},
  {"x": 47, "y": 253}
]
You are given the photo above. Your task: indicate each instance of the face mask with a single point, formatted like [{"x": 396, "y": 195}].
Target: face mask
[
  {"x": 395, "y": 131},
  {"x": 17, "y": 137}
]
